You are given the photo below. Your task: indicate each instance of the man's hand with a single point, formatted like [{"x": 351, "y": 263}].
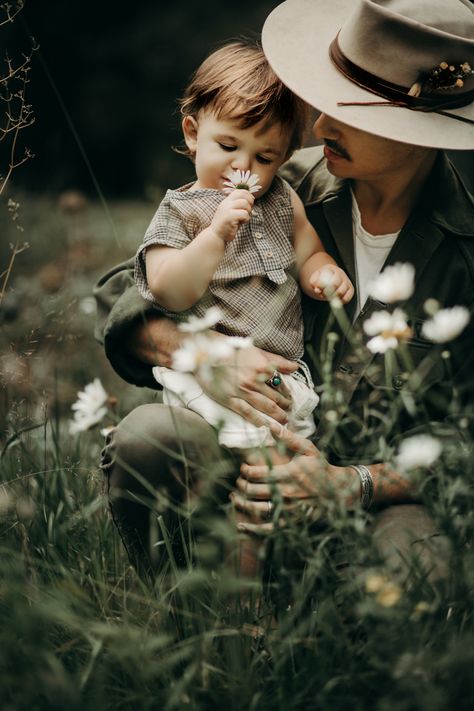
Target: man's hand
[
  {"x": 231, "y": 213},
  {"x": 154, "y": 340},
  {"x": 330, "y": 280},
  {"x": 300, "y": 484},
  {"x": 239, "y": 384}
]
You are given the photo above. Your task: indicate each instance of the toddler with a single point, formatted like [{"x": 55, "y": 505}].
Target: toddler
[{"x": 247, "y": 252}]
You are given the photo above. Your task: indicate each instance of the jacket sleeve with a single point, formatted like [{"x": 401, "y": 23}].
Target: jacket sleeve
[{"x": 119, "y": 309}]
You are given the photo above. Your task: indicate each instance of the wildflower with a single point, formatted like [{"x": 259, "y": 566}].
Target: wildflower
[
  {"x": 421, "y": 609},
  {"x": 89, "y": 408},
  {"x": 242, "y": 180},
  {"x": 87, "y": 305},
  {"x": 395, "y": 283},
  {"x": 389, "y": 594},
  {"x": 195, "y": 324},
  {"x": 446, "y": 324},
  {"x": 201, "y": 353},
  {"x": 374, "y": 582},
  {"x": 388, "y": 330},
  {"x": 418, "y": 451}
]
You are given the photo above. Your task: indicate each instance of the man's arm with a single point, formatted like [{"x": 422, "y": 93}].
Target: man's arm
[
  {"x": 122, "y": 326},
  {"x": 308, "y": 480}
]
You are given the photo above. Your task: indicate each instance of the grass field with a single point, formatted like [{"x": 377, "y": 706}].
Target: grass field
[{"x": 80, "y": 631}]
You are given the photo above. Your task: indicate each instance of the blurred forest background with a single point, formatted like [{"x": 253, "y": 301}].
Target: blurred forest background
[
  {"x": 118, "y": 69},
  {"x": 103, "y": 85}
]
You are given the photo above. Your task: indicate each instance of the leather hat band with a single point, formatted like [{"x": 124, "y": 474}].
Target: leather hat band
[{"x": 395, "y": 94}]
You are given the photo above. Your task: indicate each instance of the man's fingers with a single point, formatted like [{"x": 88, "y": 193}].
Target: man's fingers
[
  {"x": 292, "y": 441},
  {"x": 254, "y": 492},
  {"x": 260, "y": 510},
  {"x": 255, "y": 400},
  {"x": 245, "y": 410},
  {"x": 256, "y": 529},
  {"x": 277, "y": 362}
]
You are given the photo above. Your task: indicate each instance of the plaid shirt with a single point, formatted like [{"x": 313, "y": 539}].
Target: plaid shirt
[{"x": 254, "y": 285}]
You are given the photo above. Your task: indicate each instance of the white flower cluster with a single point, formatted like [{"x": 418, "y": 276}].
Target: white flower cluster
[
  {"x": 204, "y": 351},
  {"x": 242, "y": 180},
  {"x": 387, "y": 329},
  {"x": 90, "y": 407},
  {"x": 418, "y": 451},
  {"x": 397, "y": 283},
  {"x": 446, "y": 324}
]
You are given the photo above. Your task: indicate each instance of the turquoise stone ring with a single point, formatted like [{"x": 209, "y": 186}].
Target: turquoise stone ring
[{"x": 275, "y": 380}]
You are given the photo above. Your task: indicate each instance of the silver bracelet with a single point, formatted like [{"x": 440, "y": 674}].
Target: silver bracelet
[{"x": 366, "y": 485}]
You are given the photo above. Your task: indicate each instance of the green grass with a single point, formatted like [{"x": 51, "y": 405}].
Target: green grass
[{"x": 79, "y": 630}]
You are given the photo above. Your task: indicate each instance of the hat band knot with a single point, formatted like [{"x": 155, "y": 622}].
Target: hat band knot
[{"x": 394, "y": 94}]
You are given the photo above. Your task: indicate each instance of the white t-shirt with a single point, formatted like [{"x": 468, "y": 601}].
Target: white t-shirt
[{"x": 370, "y": 253}]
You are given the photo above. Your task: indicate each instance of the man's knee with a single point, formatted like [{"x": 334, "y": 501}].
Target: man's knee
[
  {"x": 154, "y": 445},
  {"x": 408, "y": 540}
]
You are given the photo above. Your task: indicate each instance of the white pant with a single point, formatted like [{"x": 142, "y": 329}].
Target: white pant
[{"x": 183, "y": 390}]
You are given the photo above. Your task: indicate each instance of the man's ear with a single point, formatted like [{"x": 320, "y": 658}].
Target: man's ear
[{"x": 190, "y": 131}]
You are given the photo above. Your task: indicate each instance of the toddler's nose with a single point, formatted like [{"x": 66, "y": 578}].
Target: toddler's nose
[{"x": 241, "y": 162}]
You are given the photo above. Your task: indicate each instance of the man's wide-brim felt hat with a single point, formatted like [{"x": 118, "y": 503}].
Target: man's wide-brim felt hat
[{"x": 392, "y": 42}]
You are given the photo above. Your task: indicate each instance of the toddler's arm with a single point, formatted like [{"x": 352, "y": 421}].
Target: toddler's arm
[
  {"x": 178, "y": 278},
  {"x": 318, "y": 272}
]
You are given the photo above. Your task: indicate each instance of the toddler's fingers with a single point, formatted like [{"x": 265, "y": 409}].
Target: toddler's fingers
[
  {"x": 242, "y": 195},
  {"x": 240, "y": 215},
  {"x": 346, "y": 293}
]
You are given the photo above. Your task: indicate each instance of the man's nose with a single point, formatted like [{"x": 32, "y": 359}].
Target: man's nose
[{"x": 325, "y": 127}]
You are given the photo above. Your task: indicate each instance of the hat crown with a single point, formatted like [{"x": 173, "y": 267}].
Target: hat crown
[
  {"x": 389, "y": 72},
  {"x": 398, "y": 39}
]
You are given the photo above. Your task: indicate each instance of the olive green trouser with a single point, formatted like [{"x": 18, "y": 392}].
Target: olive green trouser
[{"x": 157, "y": 455}]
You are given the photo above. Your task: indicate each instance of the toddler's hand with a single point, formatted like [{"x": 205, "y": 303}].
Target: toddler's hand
[
  {"x": 231, "y": 213},
  {"x": 329, "y": 281}
]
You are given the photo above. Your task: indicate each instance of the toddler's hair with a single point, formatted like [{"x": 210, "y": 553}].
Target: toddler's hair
[{"x": 236, "y": 82}]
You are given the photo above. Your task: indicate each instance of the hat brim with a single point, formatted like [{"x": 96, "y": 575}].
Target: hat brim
[{"x": 296, "y": 37}]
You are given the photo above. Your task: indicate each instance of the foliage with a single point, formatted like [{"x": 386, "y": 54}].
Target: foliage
[
  {"x": 79, "y": 630},
  {"x": 16, "y": 112}
]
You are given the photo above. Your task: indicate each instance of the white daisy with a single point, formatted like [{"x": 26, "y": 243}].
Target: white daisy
[
  {"x": 418, "y": 451},
  {"x": 242, "y": 180},
  {"x": 388, "y": 330},
  {"x": 196, "y": 324},
  {"x": 89, "y": 408},
  {"x": 395, "y": 283},
  {"x": 200, "y": 354},
  {"x": 446, "y": 324}
]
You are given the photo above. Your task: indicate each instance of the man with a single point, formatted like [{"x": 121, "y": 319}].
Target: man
[{"x": 394, "y": 83}]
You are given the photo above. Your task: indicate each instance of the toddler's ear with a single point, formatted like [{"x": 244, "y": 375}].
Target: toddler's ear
[{"x": 190, "y": 130}]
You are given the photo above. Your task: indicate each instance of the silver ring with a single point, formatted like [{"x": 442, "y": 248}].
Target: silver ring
[
  {"x": 275, "y": 380},
  {"x": 269, "y": 511}
]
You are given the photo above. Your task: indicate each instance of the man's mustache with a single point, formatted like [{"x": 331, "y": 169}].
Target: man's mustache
[{"x": 334, "y": 146}]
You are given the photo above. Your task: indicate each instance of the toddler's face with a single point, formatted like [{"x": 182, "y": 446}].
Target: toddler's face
[{"x": 220, "y": 146}]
